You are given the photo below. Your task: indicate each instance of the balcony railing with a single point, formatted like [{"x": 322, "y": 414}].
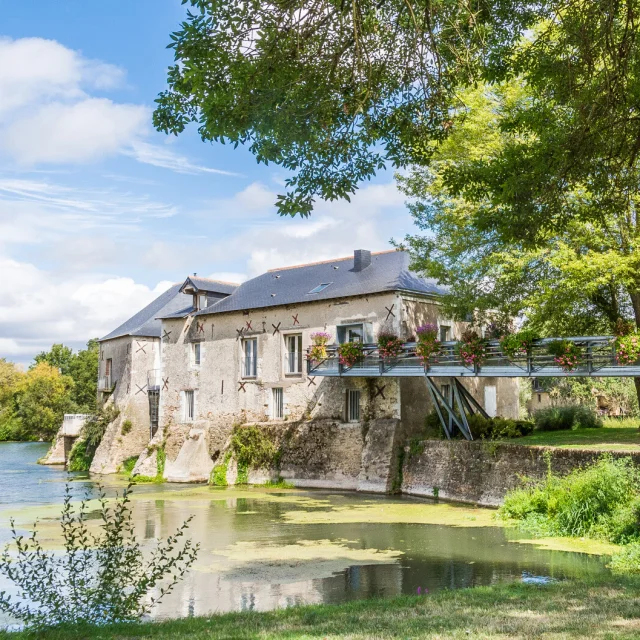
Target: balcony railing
[
  {"x": 154, "y": 379},
  {"x": 72, "y": 424},
  {"x": 106, "y": 383},
  {"x": 597, "y": 358}
]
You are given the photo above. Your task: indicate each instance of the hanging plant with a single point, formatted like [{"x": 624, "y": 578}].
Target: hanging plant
[
  {"x": 566, "y": 354},
  {"x": 427, "y": 345},
  {"x": 627, "y": 348},
  {"x": 519, "y": 344},
  {"x": 389, "y": 345},
  {"x": 471, "y": 349},
  {"x": 318, "y": 350},
  {"x": 349, "y": 353}
]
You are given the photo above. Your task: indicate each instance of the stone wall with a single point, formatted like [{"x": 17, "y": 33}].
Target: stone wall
[
  {"x": 483, "y": 472},
  {"x": 331, "y": 455},
  {"x": 132, "y": 358}
]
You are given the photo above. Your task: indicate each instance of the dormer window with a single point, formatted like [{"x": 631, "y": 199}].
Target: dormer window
[
  {"x": 200, "y": 301},
  {"x": 321, "y": 287}
]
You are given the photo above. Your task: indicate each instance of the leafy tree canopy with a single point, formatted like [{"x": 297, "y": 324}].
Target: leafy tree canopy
[
  {"x": 332, "y": 90},
  {"x": 82, "y": 367},
  {"x": 43, "y": 397},
  {"x": 580, "y": 281}
]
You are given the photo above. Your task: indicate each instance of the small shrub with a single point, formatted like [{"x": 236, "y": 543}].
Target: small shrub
[
  {"x": 128, "y": 465},
  {"x": 79, "y": 458},
  {"x": 280, "y": 483},
  {"x": 101, "y": 578},
  {"x": 389, "y": 345},
  {"x": 518, "y": 345},
  {"x": 566, "y": 354},
  {"x": 566, "y": 417},
  {"x": 498, "y": 428},
  {"x": 127, "y": 425},
  {"x": 350, "y": 353},
  {"x": 318, "y": 351},
  {"x": 627, "y": 348},
  {"x": 598, "y": 501},
  {"x": 471, "y": 349},
  {"x": 252, "y": 448},
  {"x": 218, "y": 476},
  {"x": 427, "y": 346},
  {"x": 586, "y": 418},
  {"x": 627, "y": 560}
]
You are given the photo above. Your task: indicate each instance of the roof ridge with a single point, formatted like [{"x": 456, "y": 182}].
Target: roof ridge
[
  {"x": 311, "y": 264},
  {"x": 233, "y": 284}
]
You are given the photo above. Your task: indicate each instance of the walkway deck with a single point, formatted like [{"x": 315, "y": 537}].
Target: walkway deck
[{"x": 597, "y": 360}]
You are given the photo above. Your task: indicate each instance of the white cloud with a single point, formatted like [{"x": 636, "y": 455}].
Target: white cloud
[
  {"x": 48, "y": 115},
  {"x": 37, "y": 309},
  {"x": 167, "y": 159},
  {"x": 228, "y": 276},
  {"x": 84, "y": 131},
  {"x": 35, "y": 70},
  {"x": 375, "y": 214}
]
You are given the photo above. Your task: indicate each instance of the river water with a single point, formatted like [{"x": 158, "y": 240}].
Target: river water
[{"x": 269, "y": 548}]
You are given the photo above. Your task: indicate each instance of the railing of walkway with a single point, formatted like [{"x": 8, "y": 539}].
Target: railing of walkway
[{"x": 597, "y": 357}]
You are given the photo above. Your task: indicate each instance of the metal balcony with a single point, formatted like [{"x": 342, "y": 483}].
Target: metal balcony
[
  {"x": 597, "y": 359},
  {"x": 154, "y": 379},
  {"x": 106, "y": 383}
]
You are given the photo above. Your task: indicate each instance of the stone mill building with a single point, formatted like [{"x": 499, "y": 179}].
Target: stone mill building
[{"x": 207, "y": 356}]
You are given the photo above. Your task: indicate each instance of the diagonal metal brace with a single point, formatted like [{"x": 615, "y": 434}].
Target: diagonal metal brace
[{"x": 435, "y": 394}]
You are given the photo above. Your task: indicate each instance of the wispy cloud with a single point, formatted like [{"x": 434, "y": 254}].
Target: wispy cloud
[{"x": 165, "y": 158}]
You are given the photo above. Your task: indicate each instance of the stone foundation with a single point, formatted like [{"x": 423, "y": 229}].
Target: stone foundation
[
  {"x": 483, "y": 472},
  {"x": 330, "y": 455}
]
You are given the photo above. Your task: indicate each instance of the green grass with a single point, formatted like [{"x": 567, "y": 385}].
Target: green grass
[
  {"x": 616, "y": 435},
  {"x": 603, "y": 609}
]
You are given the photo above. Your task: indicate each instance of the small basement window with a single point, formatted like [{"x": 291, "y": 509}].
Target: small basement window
[{"x": 320, "y": 287}]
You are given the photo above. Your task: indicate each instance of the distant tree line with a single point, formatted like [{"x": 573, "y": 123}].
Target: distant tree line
[{"x": 33, "y": 402}]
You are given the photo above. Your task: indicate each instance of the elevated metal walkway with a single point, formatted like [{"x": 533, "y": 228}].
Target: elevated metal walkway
[{"x": 597, "y": 358}]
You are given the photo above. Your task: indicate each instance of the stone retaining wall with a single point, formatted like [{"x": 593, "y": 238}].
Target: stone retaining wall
[{"x": 483, "y": 472}]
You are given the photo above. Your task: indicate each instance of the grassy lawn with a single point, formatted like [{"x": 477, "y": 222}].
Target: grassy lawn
[
  {"x": 561, "y": 610},
  {"x": 616, "y": 435}
]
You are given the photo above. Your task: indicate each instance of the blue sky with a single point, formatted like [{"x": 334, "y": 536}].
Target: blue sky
[{"x": 98, "y": 212}]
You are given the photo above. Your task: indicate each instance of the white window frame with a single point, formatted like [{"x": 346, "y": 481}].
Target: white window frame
[
  {"x": 250, "y": 369},
  {"x": 353, "y": 407},
  {"x": 203, "y": 301},
  {"x": 189, "y": 405},
  {"x": 293, "y": 360},
  {"x": 277, "y": 403},
  {"x": 196, "y": 354},
  {"x": 446, "y": 329}
]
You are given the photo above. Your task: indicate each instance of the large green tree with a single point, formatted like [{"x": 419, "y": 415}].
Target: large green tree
[
  {"x": 333, "y": 90},
  {"x": 579, "y": 276},
  {"x": 43, "y": 397},
  {"x": 82, "y": 367}
]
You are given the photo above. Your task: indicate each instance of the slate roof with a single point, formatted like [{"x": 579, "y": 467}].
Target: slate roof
[
  {"x": 209, "y": 285},
  {"x": 146, "y": 322},
  {"x": 388, "y": 271}
]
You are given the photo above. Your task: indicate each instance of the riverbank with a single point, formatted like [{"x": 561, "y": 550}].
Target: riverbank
[{"x": 572, "y": 609}]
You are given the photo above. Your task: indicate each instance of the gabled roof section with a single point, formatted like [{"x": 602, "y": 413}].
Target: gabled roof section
[
  {"x": 388, "y": 271},
  {"x": 145, "y": 322},
  {"x": 196, "y": 284}
]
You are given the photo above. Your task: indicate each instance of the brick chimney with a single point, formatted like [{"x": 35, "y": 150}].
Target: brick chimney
[{"x": 361, "y": 259}]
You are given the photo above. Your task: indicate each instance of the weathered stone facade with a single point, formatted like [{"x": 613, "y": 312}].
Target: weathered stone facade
[
  {"x": 393, "y": 408},
  {"x": 131, "y": 358}
]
